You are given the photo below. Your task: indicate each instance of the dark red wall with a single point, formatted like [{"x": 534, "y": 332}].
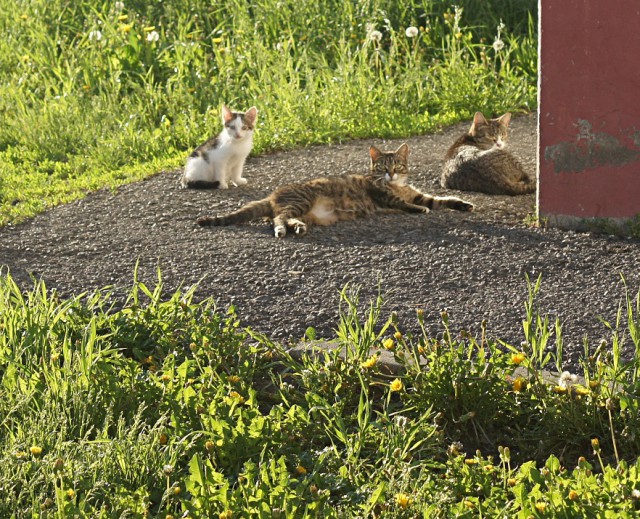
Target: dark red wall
[{"x": 589, "y": 123}]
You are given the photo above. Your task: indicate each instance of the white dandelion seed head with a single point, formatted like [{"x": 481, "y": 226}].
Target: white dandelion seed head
[
  {"x": 635, "y": 494},
  {"x": 375, "y": 35},
  {"x": 567, "y": 379},
  {"x": 498, "y": 45},
  {"x": 401, "y": 421},
  {"x": 411, "y": 32},
  {"x": 119, "y": 6},
  {"x": 153, "y": 36}
]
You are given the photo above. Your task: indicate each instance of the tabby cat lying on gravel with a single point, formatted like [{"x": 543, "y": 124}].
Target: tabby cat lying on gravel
[
  {"x": 478, "y": 161},
  {"x": 325, "y": 201}
]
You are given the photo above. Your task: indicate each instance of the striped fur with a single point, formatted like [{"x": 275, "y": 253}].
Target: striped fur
[
  {"x": 478, "y": 161},
  {"x": 326, "y": 201}
]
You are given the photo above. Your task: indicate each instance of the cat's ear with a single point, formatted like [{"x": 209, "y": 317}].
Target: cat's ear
[
  {"x": 478, "y": 120},
  {"x": 251, "y": 115},
  {"x": 227, "y": 114},
  {"x": 403, "y": 152},
  {"x": 504, "y": 119},
  {"x": 374, "y": 153}
]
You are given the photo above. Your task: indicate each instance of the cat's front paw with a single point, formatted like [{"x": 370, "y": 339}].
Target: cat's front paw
[
  {"x": 223, "y": 185},
  {"x": 280, "y": 231},
  {"x": 240, "y": 181},
  {"x": 461, "y": 205},
  {"x": 300, "y": 228}
]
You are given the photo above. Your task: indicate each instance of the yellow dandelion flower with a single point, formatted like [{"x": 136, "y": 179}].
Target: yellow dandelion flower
[
  {"x": 519, "y": 384},
  {"x": 470, "y": 461},
  {"x": 216, "y": 40},
  {"x": 233, "y": 379},
  {"x": 469, "y": 504},
  {"x": 150, "y": 28},
  {"x": 518, "y": 358},
  {"x": 21, "y": 454},
  {"x": 488, "y": 468},
  {"x": 70, "y": 494},
  {"x": 227, "y": 514},
  {"x": 177, "y": 491},
  {"x": 370, "y": 362},
  {"x": 398, "y": 335},
  {"x": 594, "y": 384},
  {"x": 125, "y": 27},
  {"x": 581, "y": 390},
  {"x": 541, "y": 506},
  {"x": 122, "y": 17},
  {"x": 209, "y": 445},
  {"x": 388, "y": 344},
  {"x": 166, "y": 378},
  {"x": 573, "y": 495},
  {"x": 403, "y": 500},
  {"x": 35, "y": 450},
  {"x": 560, "y": 390},
  {"x": 301, "y": 470},
  {"x": 595, "y": 443},
  {"x": 163, "y": 438},
  {"x": 512, "y": 482},
  {"x": 237, "y": 396},
  {"x": 396, "y": 385}
]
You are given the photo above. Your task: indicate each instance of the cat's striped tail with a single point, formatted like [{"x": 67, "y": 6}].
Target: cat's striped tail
[
  {"x": 248, "y": 212},
  {"x": 438, "y": 202}
]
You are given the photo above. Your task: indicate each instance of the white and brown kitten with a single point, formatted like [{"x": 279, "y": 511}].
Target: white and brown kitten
[
  {"x": 326, "y": 201},
  {"x": 220, "y": 160},
  {"x": 479, "y": 161}
]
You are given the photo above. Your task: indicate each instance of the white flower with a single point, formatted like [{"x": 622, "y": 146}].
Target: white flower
[
  {"x": 375, "y": 35},
  {"x": 95, "y": 36},
  {"x": 401, "y": 421},
  {"x": 635, "y": 494},
  {"x": 119, "y": 6},
  {"x": 567, "y": 379},
  {"x": 498, "y": 45},
  {"x": 153, "y": 36},
  {"x": 411, "y": 32}
]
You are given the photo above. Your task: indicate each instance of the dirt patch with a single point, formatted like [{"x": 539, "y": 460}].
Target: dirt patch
[{"x": 473, "y": 264}]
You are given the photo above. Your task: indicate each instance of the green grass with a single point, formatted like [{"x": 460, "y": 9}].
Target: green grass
[
  {"x": 90, "y": 98},
  {"x": 166, "y": 408}
]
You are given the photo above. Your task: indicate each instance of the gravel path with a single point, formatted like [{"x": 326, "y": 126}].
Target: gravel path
[{"x": 473, "y": 264}]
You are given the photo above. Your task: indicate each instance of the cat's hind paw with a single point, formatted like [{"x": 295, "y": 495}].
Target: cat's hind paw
[{"x": 280, "y": 231}]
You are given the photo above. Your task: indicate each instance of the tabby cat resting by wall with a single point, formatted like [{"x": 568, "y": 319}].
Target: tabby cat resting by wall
[
  {"x": 325, "y": 201},
  {"x": 220, "y": 160},
  {"x": 478, "y": 161}
]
